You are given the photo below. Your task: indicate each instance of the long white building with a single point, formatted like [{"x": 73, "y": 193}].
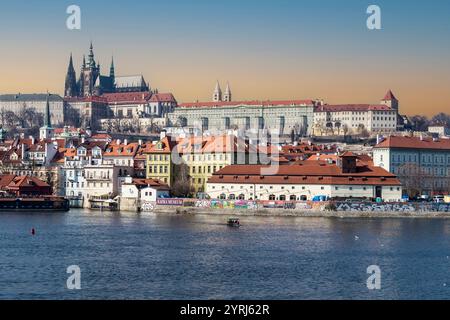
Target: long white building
[{"x": 305, "y": 180}]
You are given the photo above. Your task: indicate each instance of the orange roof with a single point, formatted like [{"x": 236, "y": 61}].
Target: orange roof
[
  {"x": 121, "y": 150},
  {"x": 214, "y": 144},
  {"x": 414, "y": 143},
  {"x": 305, "y": 173},
  {"x": 166, "y": 146}
]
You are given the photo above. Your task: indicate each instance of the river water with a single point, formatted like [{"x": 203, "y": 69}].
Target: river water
[{"x": 130, "y": 256}]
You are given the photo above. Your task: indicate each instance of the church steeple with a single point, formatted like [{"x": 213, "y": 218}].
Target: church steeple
[
  {"x": 91, "y": 60},
  {"x": 47, "y": 119},
  {"x": 46, "y": 132},
  {"x": 227, "y": 94},
  {"x": 111, "y": 69},
  {"x": 71, "y": 89},
  {"x": 217, "y": 95}
]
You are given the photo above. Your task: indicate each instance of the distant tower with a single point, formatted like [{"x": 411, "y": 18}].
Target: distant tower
[
  {"x": 71, "y": 89},
  {"x": 89, "y": 74},
  {"x": 112, "y": 72},
  {"x": 227, "y": 94},
  {"x": 217, "y": 95},
  {"x": 390, "y": 100},
  {"x": 46, "y": 132}
]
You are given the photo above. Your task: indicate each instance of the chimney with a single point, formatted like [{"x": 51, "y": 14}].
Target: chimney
[
  {"x": 118, "y": 141},
  {"x": 23, "y": 151},
  {"x": 125, "y": 142},
  {"x": 83, "y": 140},
  {"x": 140, "y": 142}
]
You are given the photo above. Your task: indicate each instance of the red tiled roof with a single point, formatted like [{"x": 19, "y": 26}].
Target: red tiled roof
[
  {"x": 163, "y": 97},
  {"x": 305, "y": 173},
  {"x": 167, "y": 145},
  {"x": 414, "y": 143},
  {"x": 27, "y": 181},
  {"x": 266, "y": 103},
  {"x": 121, "y": 150},
  {"x": 352, "y": 107},
  {"x": 389, "y": 96},
  {"x": 127, "y": 97},
  {"x": 154, "y": 183},
  {"x": 5, "y": 180}
]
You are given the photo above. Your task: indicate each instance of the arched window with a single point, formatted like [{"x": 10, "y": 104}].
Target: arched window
[
  {"x": 283, "y": 197},
  {"x": 303, "y": 198},
  {"x": 223, "y": 196},
  {"x": 272, "y": 197},
  {"x": 292, "y": 197},
  {"x": 231, "y": 196},
  {"x": 241, "y": 197}
]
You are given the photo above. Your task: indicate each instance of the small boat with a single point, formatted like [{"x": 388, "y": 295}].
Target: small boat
[{"x": 234, "y": 222}]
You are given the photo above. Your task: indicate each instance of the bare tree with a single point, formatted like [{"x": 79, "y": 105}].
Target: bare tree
[{"x": 182, "y": 186}]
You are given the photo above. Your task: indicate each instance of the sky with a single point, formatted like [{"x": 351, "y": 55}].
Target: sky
[{"x": 266, "y": 49}]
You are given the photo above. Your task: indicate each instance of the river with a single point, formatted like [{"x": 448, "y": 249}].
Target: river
[{"x": 130, "y": 256}]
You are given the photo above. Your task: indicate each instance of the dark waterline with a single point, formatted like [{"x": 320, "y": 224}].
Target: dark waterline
[{"x": 129, "y": 256}]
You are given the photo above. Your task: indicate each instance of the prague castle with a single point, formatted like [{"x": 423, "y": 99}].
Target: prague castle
[{"x": 92, "y": 83}]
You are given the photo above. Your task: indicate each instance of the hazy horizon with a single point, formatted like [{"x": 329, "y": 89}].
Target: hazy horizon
[{"x": 282, "y": 49}]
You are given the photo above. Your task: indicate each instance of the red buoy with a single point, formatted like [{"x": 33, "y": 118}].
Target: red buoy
[{"x": 33, "y": 231}]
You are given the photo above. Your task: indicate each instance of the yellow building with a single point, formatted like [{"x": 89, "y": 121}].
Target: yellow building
[
  {"x": 206, "y": 155},
  {"x": 159, "y": 161}
]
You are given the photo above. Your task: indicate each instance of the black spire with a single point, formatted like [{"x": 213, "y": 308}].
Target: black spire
[
  {"x": 111, "y": 69},
  {"x": 71, "y": 81},
  {"x": 91, "y": 61},
  {"x": 47, "y": 120}
]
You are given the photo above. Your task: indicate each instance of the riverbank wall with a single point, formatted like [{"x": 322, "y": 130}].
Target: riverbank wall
[{"x": 288, "y": 208}]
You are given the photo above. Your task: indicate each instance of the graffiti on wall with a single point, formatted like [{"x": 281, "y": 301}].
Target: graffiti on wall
[
  {"x": 393, "y": 207},
  {"x": 147, "y": 206}
]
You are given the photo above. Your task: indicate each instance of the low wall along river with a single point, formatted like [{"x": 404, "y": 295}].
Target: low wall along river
[{"x": 304, "y": 208}]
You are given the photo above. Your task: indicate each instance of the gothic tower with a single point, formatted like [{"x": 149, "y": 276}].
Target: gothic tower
[
  {"x": 217, "y": 95},
  {"x": 71, "y": 89},
  {"x": 46, "y": 132},
  {"x": 390, "y": 100},
  {"x": 227, "y": 94},
  {"x": 89, "y": 74}
]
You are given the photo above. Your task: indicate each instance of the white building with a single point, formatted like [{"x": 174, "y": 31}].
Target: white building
[
  {"x": 17, "y": 103},
  {"x": 147, "y": 190},
  {"x": 103, "y": 180},
  {"x": 304, "y": 181},
  {"x": 424, "y": 158},
  {"x": 440, "y": 131},
  {"x": 357, "y": 118}
]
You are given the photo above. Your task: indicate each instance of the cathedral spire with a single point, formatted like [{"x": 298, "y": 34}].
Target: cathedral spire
[
  {"x": 70, "y": 89},
  {"x": 217, "y": 95},
  {"x": 91, "y": 60},
  {"x": 111, "y": 69}
]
